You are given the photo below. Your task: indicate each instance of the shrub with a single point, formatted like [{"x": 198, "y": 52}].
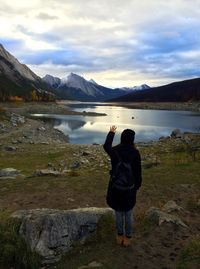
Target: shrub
[
  {"x": 190, "y": 256},
  {"x": 14, "y": 252}
]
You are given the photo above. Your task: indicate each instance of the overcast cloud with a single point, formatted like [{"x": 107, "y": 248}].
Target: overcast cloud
[{"x": 117, "y": 43}]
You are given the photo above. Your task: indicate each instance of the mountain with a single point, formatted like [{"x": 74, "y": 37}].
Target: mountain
[
  {"x": 94, "y": 82},
  {"x": 181, "y": 91},
  {"x": 17, "y": 79},
  {"x": 54, "y": 82},
  {"x": 76, "y": 87},
  {"x": 135, "y": 88}
]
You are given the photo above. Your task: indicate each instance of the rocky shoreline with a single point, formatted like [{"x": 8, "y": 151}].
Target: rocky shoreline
[
  {"x": 17, "y": 126},
  {"x": 182, "y": 106}
]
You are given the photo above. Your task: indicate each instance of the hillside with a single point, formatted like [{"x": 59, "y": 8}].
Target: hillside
[
  {"x": 182, "y": 91},
  {"x": 17, "y": 81}
]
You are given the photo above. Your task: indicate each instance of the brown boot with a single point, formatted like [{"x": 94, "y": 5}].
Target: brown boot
[
  {"x": 126, "y": 241},
  {"x": 119, "y": 239}
]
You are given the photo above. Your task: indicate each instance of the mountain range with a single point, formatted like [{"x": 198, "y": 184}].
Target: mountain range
[
  {"x": 181, "y": 91},
  {"x": 19, "y": 81},
  {"x": 76, "y": 87}
]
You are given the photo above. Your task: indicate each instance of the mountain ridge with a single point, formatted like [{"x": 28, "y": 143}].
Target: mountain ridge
[
  {"x": 77, "y": 87},
  {"x": 19, "y": 81},
  {"x": 179, "y": 91}
]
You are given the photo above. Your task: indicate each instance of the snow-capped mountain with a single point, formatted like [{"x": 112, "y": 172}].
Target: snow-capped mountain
[
  {"x": 135, "y": 88},
  {"x": 17, "y": 79},
  {"x": 52, "y": 81},
  {"x": 78, "y": 82},
  {"x": 76, "y": 87}
]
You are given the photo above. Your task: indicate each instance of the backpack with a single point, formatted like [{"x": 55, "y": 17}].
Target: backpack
[{"x": 122, "y": 175}]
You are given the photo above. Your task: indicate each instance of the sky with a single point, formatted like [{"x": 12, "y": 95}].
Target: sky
[{"x": 117, "y": 43}]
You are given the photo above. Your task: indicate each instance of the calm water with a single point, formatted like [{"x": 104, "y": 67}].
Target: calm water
[{"x": 148, "y": 124}]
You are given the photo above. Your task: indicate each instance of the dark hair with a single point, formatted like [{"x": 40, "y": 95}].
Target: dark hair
[{"x": 127, "y": 137}]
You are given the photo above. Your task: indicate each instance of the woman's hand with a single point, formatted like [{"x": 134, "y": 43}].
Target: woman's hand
[{"x": 113, "y": 129}]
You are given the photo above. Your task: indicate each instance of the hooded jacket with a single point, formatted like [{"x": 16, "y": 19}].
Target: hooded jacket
[{"x": 117, "y": 199}]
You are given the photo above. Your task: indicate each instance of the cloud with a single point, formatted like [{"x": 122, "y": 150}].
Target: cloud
[
  {"x": 45, "y": 16},
  {"x": 127, "y": 42}
]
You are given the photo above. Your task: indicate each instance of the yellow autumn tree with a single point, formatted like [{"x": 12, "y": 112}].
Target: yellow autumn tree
[
  {"x": 15, "y": 98},
  {"x": 34, "y": 96}
]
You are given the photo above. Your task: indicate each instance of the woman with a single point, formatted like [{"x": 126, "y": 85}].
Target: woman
[{"x": 119, "y": 199}]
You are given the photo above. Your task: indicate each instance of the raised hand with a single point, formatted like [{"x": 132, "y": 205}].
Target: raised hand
[{"x": 113, "y": 128}]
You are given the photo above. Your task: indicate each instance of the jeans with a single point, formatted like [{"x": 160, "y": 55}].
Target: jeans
[{"x": 124, "y": 222}]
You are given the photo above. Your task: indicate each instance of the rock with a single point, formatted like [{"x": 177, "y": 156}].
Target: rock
[
  {"x": 84, "y": 161},
  {"x": 52, "y": 232},
  {"x": 46, "y": 172},
  {"x": 187, "y": 186},
  {"x": 10, "y": 148},
  {"x": 85, "y": 153},
  {"x": 9, "y": 173},
  {"x": 15, "y": 142},
  {"x": 93, "y": 264},
  {"x": 17, "y": 119},
  {"x": 171, "y": 206},
  {"x": 176, "y": 133},
  {"x": 198, "y": 202},
  {"x": 161, "y": 217},
  {"x": 65, "y": 171},
  {"x": 75, "y": 165},
  {"x": 41, "y": 129}
]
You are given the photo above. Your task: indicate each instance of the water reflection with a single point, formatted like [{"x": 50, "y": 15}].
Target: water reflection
[
  {"x": 148, "y": 124},
  {"x": 69, "y": 124}
]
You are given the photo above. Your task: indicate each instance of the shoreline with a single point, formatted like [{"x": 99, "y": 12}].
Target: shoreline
[
  {"x": 37, "y": 130},
  {"x": 186, "y": 106}
]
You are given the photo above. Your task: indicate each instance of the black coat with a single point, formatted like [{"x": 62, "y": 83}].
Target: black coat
[{"x": 117, "y": 199}]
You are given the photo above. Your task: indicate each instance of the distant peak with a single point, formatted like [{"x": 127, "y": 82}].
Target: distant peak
[
  {"x": 73, "y": 74},
  {"x": 49, "y": 76}
]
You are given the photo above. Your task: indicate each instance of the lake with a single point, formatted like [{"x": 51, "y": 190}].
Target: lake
[{"x": 148, "y": 124}]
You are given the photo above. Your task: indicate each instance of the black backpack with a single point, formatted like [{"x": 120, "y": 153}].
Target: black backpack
[{"x": 122, "y": 175}]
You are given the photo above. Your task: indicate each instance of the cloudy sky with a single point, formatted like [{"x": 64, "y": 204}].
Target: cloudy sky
[{"x": 117, "y": 43}]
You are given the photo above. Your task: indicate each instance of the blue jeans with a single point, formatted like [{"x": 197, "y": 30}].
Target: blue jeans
[{"x": 124, "y": 222}]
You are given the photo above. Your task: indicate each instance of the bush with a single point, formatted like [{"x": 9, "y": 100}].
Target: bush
[
  {"x": 14, "y": 251},
  {"x": 190, "y": 256}
]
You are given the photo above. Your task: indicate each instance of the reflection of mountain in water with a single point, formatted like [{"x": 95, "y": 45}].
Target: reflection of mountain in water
[{"x": 72, "y": 124}]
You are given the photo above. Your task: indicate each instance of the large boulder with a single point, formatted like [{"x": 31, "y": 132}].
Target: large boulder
[
  {"x": 46, "y": 172},
  {"x": 176, "y": 133},
  {"x": 9, "y": 173},
  {"x": 52, "y": 232},
  {"x": 171, "y": 206},
  {"x": 161, "y": 217}
]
